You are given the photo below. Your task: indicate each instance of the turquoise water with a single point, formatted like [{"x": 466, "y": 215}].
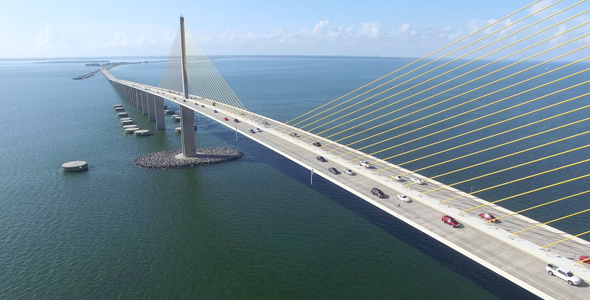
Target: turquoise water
[{"x": 249, "y": 229}]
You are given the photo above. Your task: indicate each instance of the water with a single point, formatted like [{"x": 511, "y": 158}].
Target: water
[{"x": 249, "y": 229}]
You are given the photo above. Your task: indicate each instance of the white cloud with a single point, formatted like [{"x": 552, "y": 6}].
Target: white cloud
[
  {"x": 317, "y": 29},
  {"x": 369, "y": 29},
  {"x": 47, "y": 37}
]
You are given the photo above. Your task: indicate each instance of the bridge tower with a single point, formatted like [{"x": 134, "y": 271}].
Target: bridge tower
[{"x": 187, "y": 115}]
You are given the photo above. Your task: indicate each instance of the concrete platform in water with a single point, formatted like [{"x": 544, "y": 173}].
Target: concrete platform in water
[{"x": 74, "y": 166}]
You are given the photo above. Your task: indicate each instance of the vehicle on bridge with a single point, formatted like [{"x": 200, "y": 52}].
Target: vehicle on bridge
[
  {"x": 449, "y": 220},
  {"x": 225, "y": 119},
  {"x": 236, "y": 121},
  {"x": 365, "y": 164},
  {"x": 418, "y": 181},
  {"x": 258, "y": 130},
  {"x": 293, "y": 134},
  {"x": 397, "y": 178},
  {"x": 252, "y": 131},
  {"x": 378, "y": 192},
  {"x": 348, "y": 172},
  {"x": 334, "y": 170},
  {"x": 317, "y": 144},
  {"x": 563, "y": 273},
  {"x": 215, "y": 111},
  {"x": 403, "y": 198},
  {"x": 488, "y": 217},
  {"x": 321, "y": 158},
  {"x": 585, "y": 259}
]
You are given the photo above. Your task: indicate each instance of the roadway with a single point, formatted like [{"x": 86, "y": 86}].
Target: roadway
[{"x": 517, "y": 259}]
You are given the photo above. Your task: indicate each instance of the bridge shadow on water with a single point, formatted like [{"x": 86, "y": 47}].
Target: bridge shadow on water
[{"x": 453, "y": 260}]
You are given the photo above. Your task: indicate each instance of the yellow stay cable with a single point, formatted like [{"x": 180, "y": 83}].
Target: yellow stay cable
[
  {"x": 527, "y": 192},
  {"x": 509, "y": 130},
  {"x": 510, "y": 168},
  {"x": 485, "y": 116},
  {"x": 501, "y": 145},
  {"x": 444, "y": 73},
  {"x": 383, "y": 132},
  {"x": 546, "y": 203},
  {"x": 456, "y": 96},
  {"x": 463, "y": 38},
  {"x": 549, "y": 222},
  {"x": 566, "y": 239}
]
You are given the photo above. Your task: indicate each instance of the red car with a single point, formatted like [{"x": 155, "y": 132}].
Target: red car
[
  {"x": 584, "y": 257},
  {"x": 225, "y": 119},
  {"x": 450, "y": 221},
  {"x": 488, "y": 217}
]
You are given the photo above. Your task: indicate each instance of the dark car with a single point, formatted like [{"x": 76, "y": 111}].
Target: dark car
[
  {"x": 334, "y": 170},
  {"x": 252, "y": 131},
  {"x": 317, "y": 144},
  {"x": 450, "y": 221},
  {"x": 236, "y": 120},
  {"x": 321, "y": 158},
  {"x": 202, "y": 105},
  {"x": 378, "y": 192}
]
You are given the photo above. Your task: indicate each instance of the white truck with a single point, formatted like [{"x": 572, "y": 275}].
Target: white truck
[{"x": 564, "y": 274}]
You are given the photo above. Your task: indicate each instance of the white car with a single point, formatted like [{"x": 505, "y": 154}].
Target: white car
[
  {"x": 258, "y": 130},
  {"x": 403, "y": 198},
  {"x": 397, "y": 178},
  {"x": 364, "y": 164},
  {"x": 417, "y": 180},
  {"x": 348, "y": 171}
]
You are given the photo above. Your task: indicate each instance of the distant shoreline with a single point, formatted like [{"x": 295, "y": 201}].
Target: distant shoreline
[{"x": 101, "y": 59}]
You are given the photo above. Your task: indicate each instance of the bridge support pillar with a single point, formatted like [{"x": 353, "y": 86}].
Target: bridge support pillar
[
  {"x": 138, "y": 100},
  {"x": 160, "y": 118},
  {"x": 133, "y": 97},
  {"x": 151, "y": 107},
  {"x": 187, "y": 132},
  {"x": 144, "y": 104}
]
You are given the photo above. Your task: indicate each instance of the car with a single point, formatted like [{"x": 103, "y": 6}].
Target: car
[
  {"x": 378, "y": 192},
  {"x": 488, "y": 217},
  {"x": 225, "y": 119},
  {"x": 258, "y": 130},
  {"x": 252, "y": 131},
  {"x": 584, "y": 258},
  {"x": 365, "y": 164},
  {"x": 236, "y": 121},
  {"x": 418, "y": 181},
  {"x": 321, "y": 158},
  {"x": 348, "y": 172},
  {"x": 317, "y": 144},
  {"x": 403, "y": 198},
  {"x": 563, "y": 273},
  {"x": 215, "y": 111},
  {"x": 174, "y": 98},
  {"x": 397, "y": 178},
  {"x": 202, "y": 105},
  {"x": 293, "y": 134},
  {"x": 449, "y": 220},
  {"x": 333, "y": 170}
]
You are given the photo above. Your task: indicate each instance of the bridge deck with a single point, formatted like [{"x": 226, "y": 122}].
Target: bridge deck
[{"x": 518, "y": 260}]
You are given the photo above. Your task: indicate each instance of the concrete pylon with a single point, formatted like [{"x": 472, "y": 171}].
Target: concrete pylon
[
  {"x": 144, "y": 104},
  {"x": 187, "y": 115},
  {"x": 138, "y": 99},
  {"x": 151, "y": 107},
  {"x": 160, "y": 118}
]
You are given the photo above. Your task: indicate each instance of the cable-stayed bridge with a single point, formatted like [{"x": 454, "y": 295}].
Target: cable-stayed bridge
[{"x": 502, "y": 108}]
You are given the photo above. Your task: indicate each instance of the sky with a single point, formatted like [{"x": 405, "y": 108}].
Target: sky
[{"x": 409, "y": 28}]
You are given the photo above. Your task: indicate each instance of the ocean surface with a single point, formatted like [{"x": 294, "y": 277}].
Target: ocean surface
[{"x": 249, "y": 229}]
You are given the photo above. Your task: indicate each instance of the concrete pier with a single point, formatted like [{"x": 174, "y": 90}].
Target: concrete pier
[
  {"x": 151, "y": 107},
  {"x": 187, "y": 134},
  {"x": 138, "y": 99},
  {"x": 160, "y": 118},
  {"x": 144, "y": 103}
]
